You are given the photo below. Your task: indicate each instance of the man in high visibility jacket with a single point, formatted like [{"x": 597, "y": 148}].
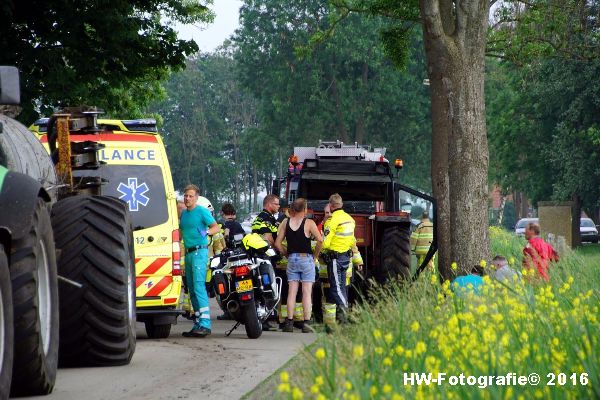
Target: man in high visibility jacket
[
  {"x": 337, "y": 252},
  {"x": 329, "y": 306},
  {"x": 266, "y": 225},
  {"x": 421, "y": 239}
]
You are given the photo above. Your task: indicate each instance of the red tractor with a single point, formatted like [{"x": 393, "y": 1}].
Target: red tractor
[{"x": 364, "y": 179}]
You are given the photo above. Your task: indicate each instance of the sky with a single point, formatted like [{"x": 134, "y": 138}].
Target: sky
[{"x": 210, "y": 37}]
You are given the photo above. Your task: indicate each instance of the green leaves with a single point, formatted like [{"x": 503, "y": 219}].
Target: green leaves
[
  {"x": 320, "y": 72},
  {"x": 109, "y": 54}
]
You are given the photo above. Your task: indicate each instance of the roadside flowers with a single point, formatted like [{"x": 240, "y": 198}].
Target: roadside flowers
[
  {"x": 415, "y": 326},
  {"x": 358, "y": 351},
  {"x": 320, "y": 353}
]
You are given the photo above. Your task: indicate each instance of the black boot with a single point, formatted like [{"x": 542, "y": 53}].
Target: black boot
[
  {"x": 306, "y": 328},
  {"x": 288, "y": 325}
]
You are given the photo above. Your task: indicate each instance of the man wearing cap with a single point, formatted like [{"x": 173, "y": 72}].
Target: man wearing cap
[{"x": 196, "y": 225}]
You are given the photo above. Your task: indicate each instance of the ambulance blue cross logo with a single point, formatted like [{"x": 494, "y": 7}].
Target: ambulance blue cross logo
[{"x": 133, "y": 194}]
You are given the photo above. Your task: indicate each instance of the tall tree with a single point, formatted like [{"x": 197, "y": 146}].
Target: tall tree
[
  {"x": 106, "y": 53},
  {"x": 344, "y": 88},
  {"x": 455, "y": 41}
]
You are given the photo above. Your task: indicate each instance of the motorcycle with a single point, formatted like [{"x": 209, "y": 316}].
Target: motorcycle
[{"x": 245, "y": 284}]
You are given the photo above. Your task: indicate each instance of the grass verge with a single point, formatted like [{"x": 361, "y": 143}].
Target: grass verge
[{"x": 509, "y": 331}]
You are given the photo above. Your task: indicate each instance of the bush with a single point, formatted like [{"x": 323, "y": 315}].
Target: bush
[{"x": 426, "y": 328}]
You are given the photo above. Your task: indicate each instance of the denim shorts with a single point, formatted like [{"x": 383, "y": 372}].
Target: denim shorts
[{"x": 301, "y": 268}]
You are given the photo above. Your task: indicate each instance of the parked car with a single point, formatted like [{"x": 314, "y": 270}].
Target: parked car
[
  {"x": 588, "y": 231},
  {"x": 522, "y": 224}
]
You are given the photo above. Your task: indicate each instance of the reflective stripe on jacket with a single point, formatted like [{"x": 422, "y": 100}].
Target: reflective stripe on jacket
[{"x": 422, "y": 237}]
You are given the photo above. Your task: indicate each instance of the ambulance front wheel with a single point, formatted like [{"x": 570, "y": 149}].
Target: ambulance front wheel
[{"x": 157, "y": 331}]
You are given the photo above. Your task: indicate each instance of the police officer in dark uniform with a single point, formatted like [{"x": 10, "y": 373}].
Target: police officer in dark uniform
[{"x": 266, "y": 225}]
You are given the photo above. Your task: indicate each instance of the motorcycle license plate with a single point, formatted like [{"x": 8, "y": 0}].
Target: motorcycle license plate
[{"x": 244, "y": 286}]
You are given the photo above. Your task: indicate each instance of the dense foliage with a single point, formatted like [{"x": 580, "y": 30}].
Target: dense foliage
[
  {"x": 233, "y": 116},
  {"x": 112, "y": 54},
  {"x": 543, "y": 102}
]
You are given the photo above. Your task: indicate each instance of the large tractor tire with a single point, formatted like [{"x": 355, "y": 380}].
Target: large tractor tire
[
  {"x": 6, "y": 327},
  {"x": 251, "y": 322},
  {"x": 95, "y": 244},
  {"x": 35, "y": 307},
  {"x": 395, "y": 254}
]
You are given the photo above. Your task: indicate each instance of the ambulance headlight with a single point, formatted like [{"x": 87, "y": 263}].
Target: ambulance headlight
[{"x": 214, "y": 263}]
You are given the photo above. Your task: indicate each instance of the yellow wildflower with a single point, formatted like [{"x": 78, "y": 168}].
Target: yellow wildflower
[
  {"x": 415, "y": 326},
  {"x": 314, "y": 389},
  {"x": 397, "y": 396},
  {"x": 373, "y": 391},
  {"x": 320, "y": 353},
  {"x": 319, "y": 380},
  {"x": 284, "y": 377},
  {"x": 348, "y": 385},
  {"x": 321, "y": 397},
  {"x": 376, "y": 333},
  {"x": 358, "y": 351},
  {"x": 284, "y": 388},
  {"x": 482, "y": 263},
  {"x": 342, "y": 371},
  {"x": 387, "y": 388},
  {"x": 454, "y": 266},
  {"x": 379, "y": 350},
  {"x": 387, "y": 361},
  {"x": 399, "y": 350},
  {"x": 388, "y": 338},
  {"x": 297, "y": 394},
  {"x": 420, "y": 348}
]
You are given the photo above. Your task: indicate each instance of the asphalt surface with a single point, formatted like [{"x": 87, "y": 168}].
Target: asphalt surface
[{"x": 216, "y": 367}]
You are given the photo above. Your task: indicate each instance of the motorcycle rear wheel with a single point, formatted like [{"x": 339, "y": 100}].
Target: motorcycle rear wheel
[{"x": 251, "y": 322}]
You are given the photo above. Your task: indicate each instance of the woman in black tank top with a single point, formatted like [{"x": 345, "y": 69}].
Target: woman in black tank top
[{"x": 298, "y": 231}]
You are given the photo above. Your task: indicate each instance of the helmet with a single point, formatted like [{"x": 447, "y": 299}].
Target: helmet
[{"x": 204, "y": 202}]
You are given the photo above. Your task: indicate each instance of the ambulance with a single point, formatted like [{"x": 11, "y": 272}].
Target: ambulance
[{"x": 134, "y": 168}]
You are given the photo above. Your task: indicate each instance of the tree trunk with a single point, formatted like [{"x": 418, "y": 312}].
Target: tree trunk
[
  {"x": 576, "y": 221},
  {"x": 236, "y": 162},
  {"x": 455, "y": 39},
  {"x": 359, "y": 134},
  {"x": 254, "y": 188},
  {"x": 340, "y": 124}
]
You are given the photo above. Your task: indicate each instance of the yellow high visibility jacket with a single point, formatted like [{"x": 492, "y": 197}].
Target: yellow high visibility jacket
[
  {"x": 422, "y": 237},
  {"x": 339, "y": 232},
  {"x": 217, "y": 244}
]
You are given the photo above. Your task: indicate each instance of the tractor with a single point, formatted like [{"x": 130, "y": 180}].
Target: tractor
[{"x": 67, "y": 293}]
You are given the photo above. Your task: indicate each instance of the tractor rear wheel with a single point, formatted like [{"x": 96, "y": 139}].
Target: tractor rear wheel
[
  {"x": 35, "y": 307},
  {"x": 6, "y": 327},
  {"x": 97, "y": 320},
  {"x": 395, "y": 254}
]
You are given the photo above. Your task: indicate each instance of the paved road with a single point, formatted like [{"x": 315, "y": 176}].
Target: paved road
[{"x": 216, "y": 367}]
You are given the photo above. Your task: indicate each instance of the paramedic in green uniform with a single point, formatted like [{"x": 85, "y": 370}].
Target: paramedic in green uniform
[{"x": 196, "y": 225}]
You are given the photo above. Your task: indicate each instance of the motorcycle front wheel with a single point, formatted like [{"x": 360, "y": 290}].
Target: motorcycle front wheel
[{"x": 251, "y": 321}]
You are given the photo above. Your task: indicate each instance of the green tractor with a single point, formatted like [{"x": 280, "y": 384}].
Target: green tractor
[{"x": 67, "y": 292}]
